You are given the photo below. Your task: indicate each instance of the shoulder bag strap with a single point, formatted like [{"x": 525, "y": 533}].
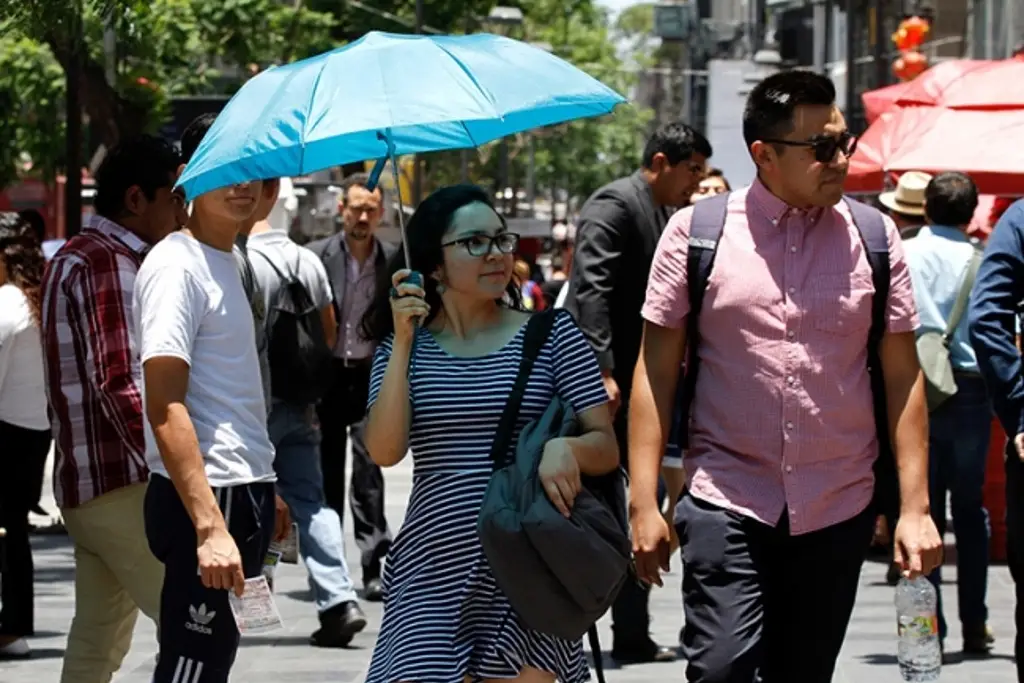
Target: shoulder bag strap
[
  {"x": 960, "y": 305},
  {"x": 538, "y": 329}
]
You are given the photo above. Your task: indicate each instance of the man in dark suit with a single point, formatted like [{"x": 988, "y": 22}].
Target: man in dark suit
[
  {"x": 352, "y": 258},
  {"x": 617, "y": 233}
]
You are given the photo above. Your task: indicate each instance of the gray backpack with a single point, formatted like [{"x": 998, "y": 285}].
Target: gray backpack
[
  {"x": 560, "y": 575},
  {"x": 933, "y": 347}
]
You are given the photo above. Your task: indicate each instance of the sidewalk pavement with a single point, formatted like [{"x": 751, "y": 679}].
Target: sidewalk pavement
[{"x": 868, "y": 655}]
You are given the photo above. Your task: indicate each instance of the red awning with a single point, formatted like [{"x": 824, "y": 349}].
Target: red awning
[{"x": 987, "y": 145}]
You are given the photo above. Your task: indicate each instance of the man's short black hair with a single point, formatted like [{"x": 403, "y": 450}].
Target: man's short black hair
[
  {"x": 770, "y": 105},
  {"x": 146, "y": 161},
  {"x": 193, "y": 135},
  {"x": 677, "y": 141},
  {"x": 354, "y": 180},
  {"x": 950, "y": 199}
]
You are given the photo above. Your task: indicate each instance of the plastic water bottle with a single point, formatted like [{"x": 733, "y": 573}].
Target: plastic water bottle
[{"x": 919, "y": 654}]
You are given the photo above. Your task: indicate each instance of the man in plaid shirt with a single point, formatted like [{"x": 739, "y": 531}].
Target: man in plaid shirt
[{"x": 92, "y": 368}]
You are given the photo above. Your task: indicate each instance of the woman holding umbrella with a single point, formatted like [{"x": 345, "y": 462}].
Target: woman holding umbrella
[{"x": 438, "y": 388}]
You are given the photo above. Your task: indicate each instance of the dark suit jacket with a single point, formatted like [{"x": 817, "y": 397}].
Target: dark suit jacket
[
  {"x": 335, "y": 260},
  {"x": 617, "y": 233}
]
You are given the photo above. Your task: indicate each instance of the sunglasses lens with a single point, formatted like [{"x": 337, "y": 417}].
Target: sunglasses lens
[
  {"x": 825, "y": 150},
  {"x": 851, "y": 145}
]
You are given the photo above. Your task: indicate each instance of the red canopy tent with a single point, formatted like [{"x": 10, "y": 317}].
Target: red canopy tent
[
  {"x": 877, "y": 102},
  {"x": 955, "y": 84},
  {"x": 987, "y": 145},
  {"x": 962, "y": 115}
]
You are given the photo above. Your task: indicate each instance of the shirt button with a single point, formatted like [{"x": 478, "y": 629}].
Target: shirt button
[
  {"x": 792, "y": 249},
  {"x": 789, "y": 425},
  {"x": 789, "y": 468},
  {"x": 790, "y": 334},
  {"x": 790, "y": 380},
  {"x": 792, "y": 290}
]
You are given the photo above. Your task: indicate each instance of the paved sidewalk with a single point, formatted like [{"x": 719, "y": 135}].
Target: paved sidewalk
[{"x": 285, "y": 657}]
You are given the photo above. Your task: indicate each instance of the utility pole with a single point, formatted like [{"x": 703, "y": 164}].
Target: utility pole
[
  {"x": 417, "y": 175},
  {"x": 73, "y": 138}
]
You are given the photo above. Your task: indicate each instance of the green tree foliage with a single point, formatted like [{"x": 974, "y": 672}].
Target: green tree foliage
[
  {"x": 31, "y": 99},
  {"x": 166, "y": 48},
  {"x": 163, "y": 48}
]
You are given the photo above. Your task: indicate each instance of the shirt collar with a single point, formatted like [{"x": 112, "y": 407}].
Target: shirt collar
[
  {"x": 124, "y": 235},
  {"x": 344, "y": 247},
  {"x": 948, "y": 232},
  {"x": 775, "y": 210}
]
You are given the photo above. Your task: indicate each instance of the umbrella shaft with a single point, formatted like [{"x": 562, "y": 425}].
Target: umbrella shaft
[{"x": 401, "y": 213}]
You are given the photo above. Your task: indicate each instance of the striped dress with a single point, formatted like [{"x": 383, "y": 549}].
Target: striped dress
[{"x": 444, "y": 616}]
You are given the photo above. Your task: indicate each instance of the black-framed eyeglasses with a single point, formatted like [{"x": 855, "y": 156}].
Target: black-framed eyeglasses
[
  {"x": 482, "y": 245},
  {"x": 825, "y": 146}
]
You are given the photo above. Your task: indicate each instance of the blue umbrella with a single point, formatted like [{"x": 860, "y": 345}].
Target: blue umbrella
[{"x": 385, "y": 95}]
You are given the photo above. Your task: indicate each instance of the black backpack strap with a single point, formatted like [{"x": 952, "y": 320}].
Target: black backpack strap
[
  {"x": 871, "y": 225},
  {"x": 538, "y": 329},
  {"x": 706, "y": 224},
  {"x": 284, "y": 278}
]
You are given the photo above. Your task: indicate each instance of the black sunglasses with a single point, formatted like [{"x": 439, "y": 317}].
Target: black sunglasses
[
  {"x": 481, "y": 245},
  {"x": 825, "y": 146}
]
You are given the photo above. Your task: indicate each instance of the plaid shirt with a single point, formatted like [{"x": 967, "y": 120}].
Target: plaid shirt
[{"x": 92, "y": 364}]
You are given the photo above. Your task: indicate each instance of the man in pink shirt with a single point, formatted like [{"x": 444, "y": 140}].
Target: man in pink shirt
[{"x": 777, "y": 519}]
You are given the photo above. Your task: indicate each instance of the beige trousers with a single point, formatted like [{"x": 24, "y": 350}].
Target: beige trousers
[{"x": 115, "y": 576}]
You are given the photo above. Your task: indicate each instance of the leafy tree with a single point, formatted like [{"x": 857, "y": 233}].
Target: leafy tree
[
  {"x": 31, "y": 99},
  {"x": 163, "y": 48}
]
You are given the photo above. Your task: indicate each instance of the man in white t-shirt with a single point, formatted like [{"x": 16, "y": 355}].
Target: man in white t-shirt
[
  {"x": 210, "y": 504},
  {"x": 294, "y": 429}
]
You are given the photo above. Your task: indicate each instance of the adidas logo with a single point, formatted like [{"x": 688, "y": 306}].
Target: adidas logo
[{"x": 200, "y": 619}]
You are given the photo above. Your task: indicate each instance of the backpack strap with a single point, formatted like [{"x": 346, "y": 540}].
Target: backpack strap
[
  {"x": 538, "y": 329},
  {"x": 706, "y": 224},
  {"x": 870, "y": 224},
  {"x": 285, "y": 278}
]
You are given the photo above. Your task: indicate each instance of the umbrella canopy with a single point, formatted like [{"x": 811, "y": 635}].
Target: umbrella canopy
[
  {"x": 955, "y": 84},
  {"x": 878, "y": 101},
  {"x": 984, "y": 144},
  {"x": 389, "y": 94},
  {"x": 968, "y": 84}
]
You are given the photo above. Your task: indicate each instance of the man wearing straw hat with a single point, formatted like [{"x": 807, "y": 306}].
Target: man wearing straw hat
[{"x": 905, "y": 204}]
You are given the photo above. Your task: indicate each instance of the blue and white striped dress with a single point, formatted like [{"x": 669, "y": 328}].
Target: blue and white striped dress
[{"x": 444, "y": 616}]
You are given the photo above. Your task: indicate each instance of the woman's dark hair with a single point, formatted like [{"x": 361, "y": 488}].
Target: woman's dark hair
[
  {"x": 22, "y": 257},
  {"x": 424, "y": 232}
]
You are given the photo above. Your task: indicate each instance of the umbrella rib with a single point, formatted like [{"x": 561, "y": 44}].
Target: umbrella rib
[
  {"x": 472, "y": 78},
  {"x": 309, "y": 114}
]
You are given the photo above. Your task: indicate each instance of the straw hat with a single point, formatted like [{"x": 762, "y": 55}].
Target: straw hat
[{"x": 908, "y": 197}]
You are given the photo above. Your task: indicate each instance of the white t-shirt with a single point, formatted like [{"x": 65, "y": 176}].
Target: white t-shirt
[
  {"x": 190, "y": 304},
  {"x": 290, "y": 259},
  {"x": 22, "y": 382}
]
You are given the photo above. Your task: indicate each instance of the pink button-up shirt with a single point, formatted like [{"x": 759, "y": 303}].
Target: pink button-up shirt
[{"x": 782, "y": 418}]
